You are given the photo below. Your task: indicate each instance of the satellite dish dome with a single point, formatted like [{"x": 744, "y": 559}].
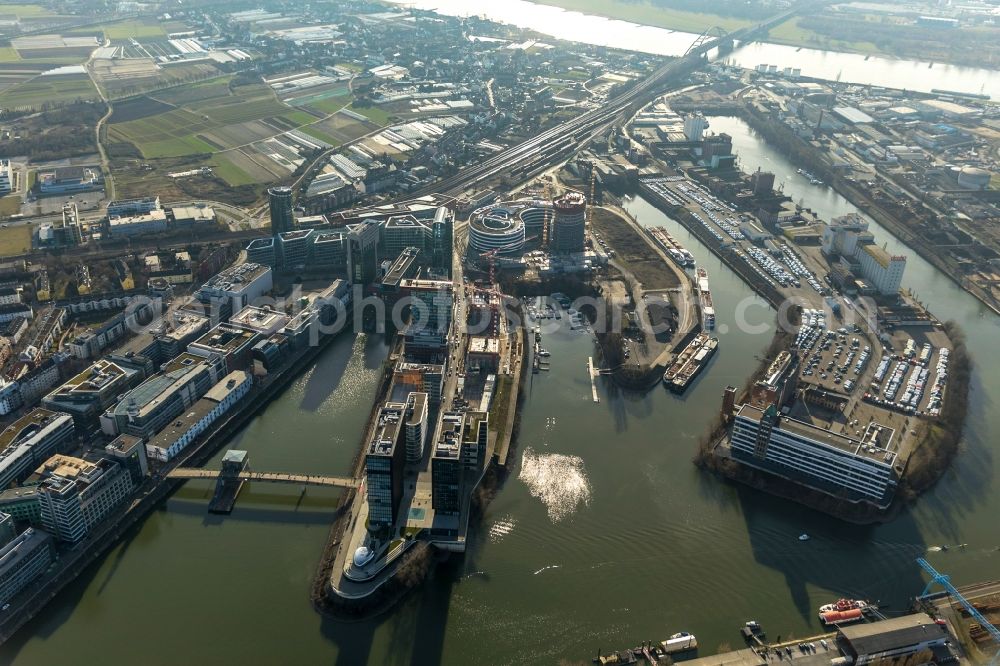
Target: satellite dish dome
[{"x": 363, "y": 555}]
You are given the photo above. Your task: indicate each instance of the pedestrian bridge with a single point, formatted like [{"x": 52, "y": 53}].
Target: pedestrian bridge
[{"x": 267, "y": 477}]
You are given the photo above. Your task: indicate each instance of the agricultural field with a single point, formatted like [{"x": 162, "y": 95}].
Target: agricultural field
[
  {"x": 121, "y": 78},
  {"x": 339, "y": 129},
  {"x": 48, "y": 90},
  {"x": 135, "y": 29}
]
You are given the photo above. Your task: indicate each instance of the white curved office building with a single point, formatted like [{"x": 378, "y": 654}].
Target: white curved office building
[{"x": 498, "y": 227}]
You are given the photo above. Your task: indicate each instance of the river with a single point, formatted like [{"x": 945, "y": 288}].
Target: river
[
  {"x": 605, "y": 534},
  {"x": 814, "y": 63}
]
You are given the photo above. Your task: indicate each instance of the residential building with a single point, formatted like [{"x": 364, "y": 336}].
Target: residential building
[
  {"x": 31, "y": 439},
  {"x": 10, "y": 397},
  {"x": 23, "y": 560},
  {"x": 7, "y": 529},
  {"x": 183, "y": 430},
  {"x": 852, "y": 469},
  {"x": 76, "y": 494},
  {"x": 475, "y": 437}
]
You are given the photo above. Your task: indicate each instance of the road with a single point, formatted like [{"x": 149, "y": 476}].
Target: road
[{"x": 569, "y": 136}]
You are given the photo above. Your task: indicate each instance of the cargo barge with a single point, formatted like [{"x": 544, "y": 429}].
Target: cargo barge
[
  {"x": 707, "y": 307},
  {"x": 691, "y": 361},
  {"x": 681, "y": 256},
  {"x": 648, "y": 653}
]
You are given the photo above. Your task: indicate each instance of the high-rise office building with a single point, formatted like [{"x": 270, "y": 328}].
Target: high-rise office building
[
  {"x": 362, "y": 252},
  {"x": 570, "y": 223},
  {"x": 279, "y": 200}
]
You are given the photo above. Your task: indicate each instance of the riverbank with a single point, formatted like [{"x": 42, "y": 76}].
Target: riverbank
[
  {"x": 811, "y": 160},
  {"x": 153, "y": 493}
]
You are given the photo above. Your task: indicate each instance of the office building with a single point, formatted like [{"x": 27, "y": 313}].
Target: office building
[
  {"x": 475, "y": 437},
  {"x": 7, "y": 529},
  {"x": 183, "y": 430},
  {"x": 236, "y": 287},
  {"x": 442, "y": 242},
  {"x": 328, "y": 252},
  {"x": 446, "y": 465},
  {"x": 279, "y": 201},
  {"x": 402, "y": 231},
  {"x": 569, "y": 224},
  {"x": 363, "y": 252},
  {"x": 404, "y": 267},
  {"x": 23, "y": 560},
  {"x": 418, "y": 378},
  {"x": 129, "y": 452},
  {"x": 416, "y": 426},
  {"x": 129, "y": 207},
  {"x": 263, "y": 251},
  {"x": 851, "y": 469},
  {"x": 148, "y": 408},
  {"x": 229, "y": 342},
  {"x": 87, "y": 395},
  {"x": 294, "y": 249},
  {"x": 31, "y": 439},
  {"x": 76, "y": 494},
  {"x": 431, "y": 304},
  {"x": 21, "y": 503},
  {"x": 384, "y": 461}
]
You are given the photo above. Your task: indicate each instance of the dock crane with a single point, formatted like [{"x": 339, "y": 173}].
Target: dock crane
[{"x": 938, "y": 578}]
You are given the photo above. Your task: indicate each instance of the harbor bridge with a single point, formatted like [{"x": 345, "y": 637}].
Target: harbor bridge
[{"x": 267, "y": 477}]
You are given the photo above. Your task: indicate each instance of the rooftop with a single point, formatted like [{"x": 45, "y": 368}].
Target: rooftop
[
  {"x": 27, "y": 426},
  {"x": 225, "y": 338},
  {"x": 876, "y": 637},
  {"x": 390, "y": 421},
  {"x": 876, "y": 444},
  {"x": 449, "y": 443}
]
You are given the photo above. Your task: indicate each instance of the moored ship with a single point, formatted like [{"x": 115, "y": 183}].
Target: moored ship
[
  {"x": 691, "y": 361},
  {"x": 707, "y": 307},
  {"x": 681, "y": 256}
]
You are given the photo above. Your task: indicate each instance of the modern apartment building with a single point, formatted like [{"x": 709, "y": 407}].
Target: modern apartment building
[{"x": 76, "y": 494}]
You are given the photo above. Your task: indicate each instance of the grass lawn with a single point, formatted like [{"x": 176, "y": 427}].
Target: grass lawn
[
  {"x": 24, "y": 10},
  {"x": 792, "y": 34},
  {"x": 372, "y": 113},
  {"x": 176, "y": 147},
  {"x": 136, "y": 29},
  {"x": 229, "y": 172},
  {"x": 645, "y": 13},
  {"x": 14, "y": 240},
  {"x": 43, "y": 89}
]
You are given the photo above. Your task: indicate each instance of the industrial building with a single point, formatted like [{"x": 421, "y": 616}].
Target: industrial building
[
  {"x": 30, "y": 440},
  {"x": 75, "y": 494},
  {"x": 836, "y": 464},
  {"x": 881, "y": 642}
]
